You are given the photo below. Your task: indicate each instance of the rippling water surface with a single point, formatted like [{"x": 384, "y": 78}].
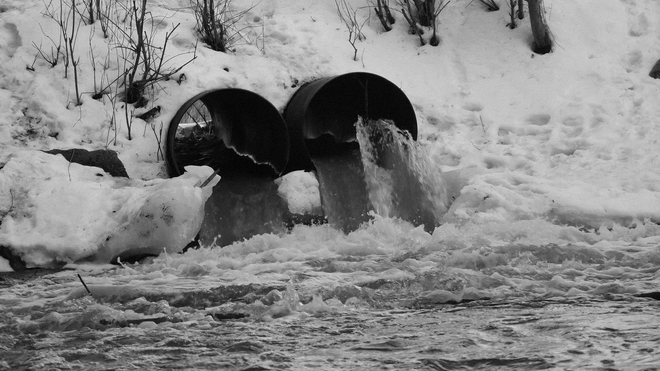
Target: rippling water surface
[{"x": 387, "y": 296}]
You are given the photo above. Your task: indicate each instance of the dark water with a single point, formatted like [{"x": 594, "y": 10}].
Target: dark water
[
  {"x": 523, "y": 335},
  {"x": 343, "y": 189},
  {"x": 391, "y": 310},
  {"x": 242, "y": 208}
]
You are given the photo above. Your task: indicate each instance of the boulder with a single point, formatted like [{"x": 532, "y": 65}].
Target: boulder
[
  {"x": 103, "y": 158},
  {"x": 655, "y": 71}
]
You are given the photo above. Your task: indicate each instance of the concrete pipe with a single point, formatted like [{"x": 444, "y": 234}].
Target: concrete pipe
[
  {"x": 321, "y": 118},
  {"x": 233, "y": 130},
  {"x": 321, "y": 115}
]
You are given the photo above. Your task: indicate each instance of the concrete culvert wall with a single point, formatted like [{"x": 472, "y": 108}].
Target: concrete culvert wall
[
  {"x": 235, "y": 131},
  {"x": 321, "y": 115}
]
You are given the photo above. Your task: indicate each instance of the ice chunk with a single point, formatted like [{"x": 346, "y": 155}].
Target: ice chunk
[
  {"x": 300, "y": 189},
  {"x": 164, "y": 216},
  {"x": 56, "y": 211}
]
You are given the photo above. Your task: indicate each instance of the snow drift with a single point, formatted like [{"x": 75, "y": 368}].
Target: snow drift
[{"x": 56, "y": 211}]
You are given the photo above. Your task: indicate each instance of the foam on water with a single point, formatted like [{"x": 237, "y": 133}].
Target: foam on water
[
  {"x": 323, "y": 260},
  {"x": 368, "y": 290}
]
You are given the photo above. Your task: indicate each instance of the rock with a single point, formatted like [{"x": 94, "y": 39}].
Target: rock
[
  {"x": 655, "y": 71},
  {"x": 653, "y": 295},
  {"x": 150, "y": 114},
  {"x": 103, "y": 158},
  {"x": 15, "y": 261}
]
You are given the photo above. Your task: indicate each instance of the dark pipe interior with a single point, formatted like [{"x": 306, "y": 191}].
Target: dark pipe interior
[
  {"x": 244, "y": 137},
  {"x": 321, "y": 115},
  {"x": 239, "y": 133}
]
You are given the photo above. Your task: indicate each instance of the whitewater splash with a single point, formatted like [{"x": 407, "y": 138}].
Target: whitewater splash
[
  {"x": 401, "y": 179},
  {"x": 512, "y": 295},
  {"x": 384, "y": 172}
]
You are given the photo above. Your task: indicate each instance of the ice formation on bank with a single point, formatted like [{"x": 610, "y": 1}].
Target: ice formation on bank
[
  {"x": 300, "y": 189},
  {"x": 53, "y": 210}
]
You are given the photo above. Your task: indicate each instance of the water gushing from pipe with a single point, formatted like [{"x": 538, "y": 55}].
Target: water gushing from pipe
[
  {"x": 401, "y": 179},
  {"x": 386, "y": 172}
]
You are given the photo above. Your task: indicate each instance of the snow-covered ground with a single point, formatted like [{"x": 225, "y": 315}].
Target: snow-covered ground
[
  {"x": 554, "y": 232},
  {"x": 565, "y": 144}
]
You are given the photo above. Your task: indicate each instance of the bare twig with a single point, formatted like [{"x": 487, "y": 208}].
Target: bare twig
[
  {"x": 138, "y": 16},
  {"x": 31, "y": 67},
  {"x": 208, "y": 180},
  {"x": 416, "y": 30},
  {"x": 62, "y": 19},
  {"x": 348, "y": 15},
  {"x": 383, "y": 13},
  {"x": 159, "y": 139},
  {"x": 129, "y": 121},
  {"x": 491, "y": 5},
  {"x": 68, "y": 167},
  {"x": 112, "y": 124},
  {"x": 425, "y": 14},
  {"x": 435, "y": 40},
  {"x": 513, "y": 4},
  {"x": 84, "y": 284},
  {"x": 54, "y": 56},
  {"x": 217, "y": 24},
  {"x": 71, "y": 44},
  {"x": 98, "y": 93},
  {"x": 146, "y": 57},
  {"x": 103, "y": 15},
  {"x": 90, "y": 10}
]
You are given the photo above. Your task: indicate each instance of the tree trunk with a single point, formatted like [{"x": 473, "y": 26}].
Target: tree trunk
[
  {"x": 91, "y": 11},
  {"x": 512, "y": 14},
  {"x": 521, "y": 10},
  {"x": 384, "y": 15},
  {"x": 435, "y": 40},
  {"x": 542, "y": 42},
  {"x": 425, "y": 12}
]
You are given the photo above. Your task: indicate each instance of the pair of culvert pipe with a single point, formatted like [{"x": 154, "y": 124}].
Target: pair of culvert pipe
[{"x": 242, "y": 136}]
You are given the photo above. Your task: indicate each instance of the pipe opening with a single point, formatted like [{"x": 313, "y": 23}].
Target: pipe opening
[
  {"x": 321, "y": 115},
  {"x": 321, "y": 118},
  {"x": 243, "y": 137},
  {"x": 234, "y": 131}
]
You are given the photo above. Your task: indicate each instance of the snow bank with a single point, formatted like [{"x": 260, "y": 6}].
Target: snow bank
[{"x": 53, "y": 210}]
